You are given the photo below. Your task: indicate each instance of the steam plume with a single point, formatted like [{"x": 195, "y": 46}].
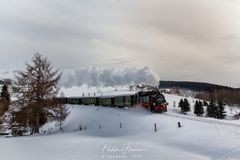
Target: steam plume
[{"x": 94, "y": 77}]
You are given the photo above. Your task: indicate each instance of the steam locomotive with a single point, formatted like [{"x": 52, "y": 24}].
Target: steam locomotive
[{"x": 154, "y": 101}]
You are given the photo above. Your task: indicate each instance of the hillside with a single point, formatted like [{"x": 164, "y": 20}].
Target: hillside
[{"x": 194, "y": 86}]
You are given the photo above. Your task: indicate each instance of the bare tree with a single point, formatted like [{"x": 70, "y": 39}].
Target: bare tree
[
  {"x": 35, "y": 89},
  {"x": 62, "y": 111}
]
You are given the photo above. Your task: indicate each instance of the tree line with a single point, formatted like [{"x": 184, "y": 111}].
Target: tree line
[
  {"x": 34, "y": 91},
  {"x": 194, "y": 86},
  {"x": 226, "y": 96},
  {"x": 214, "y": 109},
  {"x": 205, "y": 91}
]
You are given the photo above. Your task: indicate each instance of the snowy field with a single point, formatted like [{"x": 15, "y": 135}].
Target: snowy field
[{"x": 198, "y": 139}]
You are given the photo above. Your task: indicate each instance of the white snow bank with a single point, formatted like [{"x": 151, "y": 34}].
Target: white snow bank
[{"x": 200, "y": 140}]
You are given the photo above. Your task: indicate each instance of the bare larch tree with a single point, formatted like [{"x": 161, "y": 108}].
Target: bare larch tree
[
  {"x": 61, "y": 112},
  {"x": 35, "y": 89}
]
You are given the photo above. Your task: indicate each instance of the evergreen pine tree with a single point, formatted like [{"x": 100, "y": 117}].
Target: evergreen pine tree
[
  {"x": 5, "y": 94},
  {"x": 186, "y": 106},
  {"x": 180, "y": 105},
  {"x": 4, "y": 100},
  {"x": 200, "y": 103},
  {"x": 213, "y": 110},
  {"x": 205, "y": 103},
  {"x": 201, "y": 108},
  {"x": 221, "y": 110},
  {"x": 210, "y": 109},
  {"x": 198, "y": 108}
]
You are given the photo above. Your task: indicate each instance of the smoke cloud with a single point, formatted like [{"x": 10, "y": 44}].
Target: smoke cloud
[{"x": 105, "y": 77}]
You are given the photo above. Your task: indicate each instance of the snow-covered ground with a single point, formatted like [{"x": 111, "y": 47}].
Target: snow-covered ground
[{"x": 198, "y": 139}]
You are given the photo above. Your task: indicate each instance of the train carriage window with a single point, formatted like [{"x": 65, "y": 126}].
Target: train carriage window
[{"x": 146, "y": 99}]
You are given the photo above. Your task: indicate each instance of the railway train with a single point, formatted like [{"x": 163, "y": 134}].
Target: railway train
[{"x": 154, "y": 101}]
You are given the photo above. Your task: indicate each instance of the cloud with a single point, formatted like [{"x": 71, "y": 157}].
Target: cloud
[
  {"x": 175, "y": 38},
  {"x": 231, "y": 37}
]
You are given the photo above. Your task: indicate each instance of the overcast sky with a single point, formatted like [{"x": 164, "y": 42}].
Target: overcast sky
[{"x": 179, "y": 39}]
